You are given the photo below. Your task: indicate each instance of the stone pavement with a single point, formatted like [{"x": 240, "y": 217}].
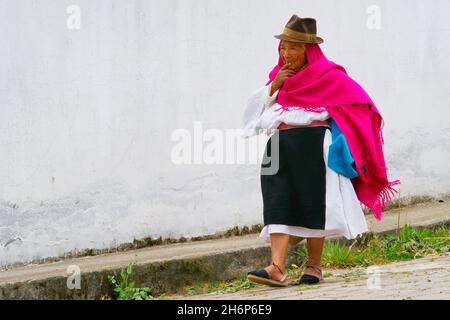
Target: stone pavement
[
  {"x": 170, "y": 267},
  {"x": 426, "y": 278}
]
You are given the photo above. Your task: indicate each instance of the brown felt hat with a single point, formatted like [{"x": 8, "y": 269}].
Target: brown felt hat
[{"x": 300, "y": 30}]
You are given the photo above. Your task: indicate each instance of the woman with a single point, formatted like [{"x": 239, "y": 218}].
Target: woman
[{"x": 329, "y": 147}]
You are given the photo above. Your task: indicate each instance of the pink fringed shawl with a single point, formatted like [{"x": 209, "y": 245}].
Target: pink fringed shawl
[{"x": 325, "y": 86}]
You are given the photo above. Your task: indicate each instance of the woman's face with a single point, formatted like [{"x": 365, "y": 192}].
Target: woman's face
[{"x": 293, "y": 53}]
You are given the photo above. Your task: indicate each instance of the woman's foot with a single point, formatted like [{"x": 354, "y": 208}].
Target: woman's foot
[
  {"x": 312, "y": 274},
  {"x": 271, "y": 276},
  {"x": 274, "y": 272}
]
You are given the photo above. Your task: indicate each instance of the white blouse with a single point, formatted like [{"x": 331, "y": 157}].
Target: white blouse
[
  {"x": 343, "y": 213},
  {"x": 260, "y": 114}
]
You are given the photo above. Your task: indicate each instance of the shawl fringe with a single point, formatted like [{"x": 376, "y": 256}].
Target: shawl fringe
[{"x": 385, "y": 196}]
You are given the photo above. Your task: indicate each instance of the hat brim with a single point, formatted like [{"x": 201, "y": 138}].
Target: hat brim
[{"x": 286, "y": 38}]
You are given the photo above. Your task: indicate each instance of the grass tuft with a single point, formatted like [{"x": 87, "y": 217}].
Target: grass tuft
[{"x": 408, "y": 244}]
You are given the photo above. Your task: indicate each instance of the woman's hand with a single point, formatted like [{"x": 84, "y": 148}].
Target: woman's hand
[{"x": 281, "y": 76}]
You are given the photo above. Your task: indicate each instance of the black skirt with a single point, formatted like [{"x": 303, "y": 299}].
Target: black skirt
[{"x": 295, "y": 194}]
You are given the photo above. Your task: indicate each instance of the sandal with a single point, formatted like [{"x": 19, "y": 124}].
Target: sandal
[
  {"x": 309, "y": 278},
  {"x": 263, "y": 277}
]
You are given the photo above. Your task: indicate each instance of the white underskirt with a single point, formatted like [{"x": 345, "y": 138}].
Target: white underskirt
[{"x": 343, "y": 213}]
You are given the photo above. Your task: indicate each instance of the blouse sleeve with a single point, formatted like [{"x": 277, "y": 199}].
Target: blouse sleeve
[
  {"x": 271, "y": 99},
  {"x": 258, "y": 101}
]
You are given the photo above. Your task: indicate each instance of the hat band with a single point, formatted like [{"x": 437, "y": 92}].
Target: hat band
[{"x": 299, "y": 35}]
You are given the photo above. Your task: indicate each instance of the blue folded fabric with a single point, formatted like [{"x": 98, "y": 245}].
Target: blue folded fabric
[{"x": 339, "y": 157}]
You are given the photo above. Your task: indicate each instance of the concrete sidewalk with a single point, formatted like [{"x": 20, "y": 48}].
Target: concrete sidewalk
[{"x": 167, "y": 268}]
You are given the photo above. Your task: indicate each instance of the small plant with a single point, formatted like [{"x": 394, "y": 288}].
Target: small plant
[
  {"x": 242, "y": 283},
  {"x": 125, "y": 290}
]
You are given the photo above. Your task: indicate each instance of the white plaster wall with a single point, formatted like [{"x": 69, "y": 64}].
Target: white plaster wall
[{"x": 86, "y": 115}]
